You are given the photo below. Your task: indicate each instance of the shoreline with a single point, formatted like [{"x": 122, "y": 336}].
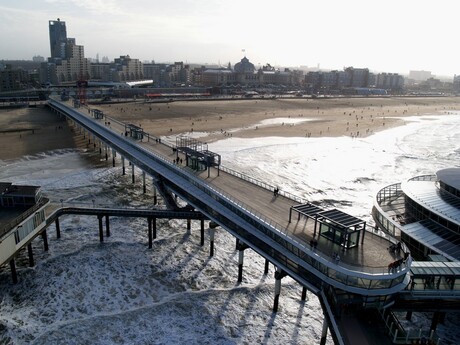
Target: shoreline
[
  {"x": 215, "y": 120},
  {"x": 29, "y": 131}
]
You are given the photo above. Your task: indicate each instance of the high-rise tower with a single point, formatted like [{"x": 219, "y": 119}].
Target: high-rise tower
[{"x": 58, "y": 38}]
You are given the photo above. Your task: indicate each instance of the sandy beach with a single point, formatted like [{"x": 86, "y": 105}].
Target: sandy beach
[
  {"x": 29, "y": 131},
  {"x": 277, "y": 117}
]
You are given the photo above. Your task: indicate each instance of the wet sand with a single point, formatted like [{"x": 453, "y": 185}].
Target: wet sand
[{"x": 254, "y": 118}]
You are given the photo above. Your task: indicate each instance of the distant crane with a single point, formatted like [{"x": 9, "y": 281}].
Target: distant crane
[{"x": 82, "y": 85}]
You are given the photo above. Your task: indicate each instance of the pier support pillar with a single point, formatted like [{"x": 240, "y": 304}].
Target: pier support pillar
[
  {"x": 14, "y": 274},
  {"x": 211, "y": 241},
  {"x": 31, "y": 255},
  {"x": 304, "y": 293},
  {"x": 155, "y": 201},
  {"x": 101, "y": 231},
  {"x": 324, "y": 332},
  {"x": 58, "y": 228},
  {"x": 114, "y": 154},
  {"x": 279, "y": 274},
  {"x": 149, "y": 223},
  {"x": 45, "y": 240},
  {"x": 266, "y": 266},
  {"x": 241, "y": 247},
  {"x": 107, "y": 226},
  {"x": 442, "y": 317},
  {"x": 237, "y": 241},
  {"x": 240, "y": 265},
  {"x": 202, "y": 232},
  {"x": 189, "y": 226},
  {"x": 123, "y": 165},
  {"x": 100, "y": 147},
  {"x": 132, "y": 173},
  {"x": 434, "y": 321},
  {"x": 409, "y": 315},
  {"x": 106, "y": 150},
  {"x": 144, "y": 188}
]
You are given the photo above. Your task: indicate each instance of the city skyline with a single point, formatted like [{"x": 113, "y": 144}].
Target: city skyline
[{"x": 393, "y": 38}]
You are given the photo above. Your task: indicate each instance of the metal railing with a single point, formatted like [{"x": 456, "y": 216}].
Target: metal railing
[
  {"x": 6, "y": 228},
  {"x": 318, "y": 260}
]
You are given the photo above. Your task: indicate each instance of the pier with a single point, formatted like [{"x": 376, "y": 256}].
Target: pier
[{"x": 334, "y": 255}]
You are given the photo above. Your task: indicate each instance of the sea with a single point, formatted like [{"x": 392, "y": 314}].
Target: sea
[{"x": 82, "y": 291}]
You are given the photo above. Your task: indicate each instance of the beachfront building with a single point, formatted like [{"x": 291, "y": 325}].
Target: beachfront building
[
  {"x": 456, "y": 84},
  {"x": 353, "y": 81},
  {"x": 67, "y": 63},
  {"x": 58, "y": 38},
  {"x": 390, "y": 81},
  {"x": 125, "y": 68},
  {"x": 13, "y": 78},
  {"x": 424, "y": 212},
  {"x": 244, "y": 74}
]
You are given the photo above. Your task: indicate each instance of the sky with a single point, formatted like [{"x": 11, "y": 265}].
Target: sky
[{"x": 393, "y": 36}]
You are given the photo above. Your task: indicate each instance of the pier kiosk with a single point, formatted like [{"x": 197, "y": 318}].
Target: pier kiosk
[
  {"x": 197, "y": 155},
  {"x": 135, "y": 132},
  {"x": 97, "y": 114},
  {"x": 334, "y": 225}
]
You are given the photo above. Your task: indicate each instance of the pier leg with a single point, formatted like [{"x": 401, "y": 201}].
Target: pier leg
[
  {"x": 123, "y": 165},
  {"x": 107, "y": 226},
  {"x": 277, "y": 294},
  {"x": 236, "y": 243},
  {"x": 113, "y": 158},
  {"x": 442, "y": 317},
  {"x": 324, "y": 332},
  {"x": 31, "y": 255},
  {"x": 144, "y": 188},
  {"x": 266, "y": 266},
  {"x": 14, "y": 274},
  {"x": 45, "y": 240},
  {"x": 240, "y": 265},
  {"x": 132, "y": 172},
  {"x": 100, "y": 147},
  {"x": 202, "y": 233},
  {"x": 279, "y": 274},
  {"x": 149, "y": 222},
  {"x": 434, "y": 321},
  {"x": 211, "y": 239},
  {"x": 101, "y": 231},
  {"x": 106, "y": 153},
  {"x": 304, "y": 293},
  {"x": 154, "y": 228},
  {"x": 409, "y": 315},
  {"x": 241, "y": 247},
  {"x": 189, "y": 226},
  {"x": 58, "y": 228}
]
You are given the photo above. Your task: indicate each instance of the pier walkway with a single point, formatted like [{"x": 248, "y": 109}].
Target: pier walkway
[{"x": 291, "y": 233}]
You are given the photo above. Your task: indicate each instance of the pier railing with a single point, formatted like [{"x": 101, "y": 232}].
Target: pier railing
[
  {"x": 352, "y": 276},
  {"x": 266, "y": 222}
]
